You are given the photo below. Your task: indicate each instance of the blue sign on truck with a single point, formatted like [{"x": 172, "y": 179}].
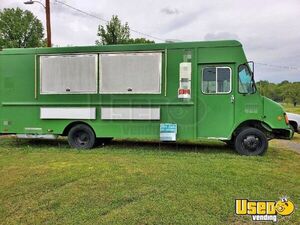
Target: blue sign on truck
[{"x": 168, "y": 131}]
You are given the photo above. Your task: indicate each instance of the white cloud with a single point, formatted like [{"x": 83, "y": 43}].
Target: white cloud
[
  {"x": 268, "y": 29},
  {"x": 220, "y": 36},
  {"x": 169, "y": 11}
]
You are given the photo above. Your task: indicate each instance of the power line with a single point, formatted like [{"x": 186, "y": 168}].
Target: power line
[
  {"x": 278, "y": 66},
  {"x": 104, "y": 20}
]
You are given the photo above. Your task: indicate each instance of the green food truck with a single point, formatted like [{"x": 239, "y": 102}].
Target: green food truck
[{"x": 165, "y": 91}]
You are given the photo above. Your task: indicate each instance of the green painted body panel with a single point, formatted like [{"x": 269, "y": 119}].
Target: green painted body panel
[
  {"x": 272, "y": 110},
  {"x": 203, "y": 116},
  {"x": 215, "y": 111}
]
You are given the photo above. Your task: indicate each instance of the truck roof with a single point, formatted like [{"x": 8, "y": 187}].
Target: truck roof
[{"x": 126, "y": 47}]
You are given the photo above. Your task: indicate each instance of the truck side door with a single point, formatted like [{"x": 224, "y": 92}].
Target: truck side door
[{"x": 215, "y": 101}]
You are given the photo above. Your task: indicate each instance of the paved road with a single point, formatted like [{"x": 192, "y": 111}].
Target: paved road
[{"x": 292, "y": 145}]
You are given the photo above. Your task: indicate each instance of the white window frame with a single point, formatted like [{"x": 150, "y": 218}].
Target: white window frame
[{"x": 216, "y": 93}]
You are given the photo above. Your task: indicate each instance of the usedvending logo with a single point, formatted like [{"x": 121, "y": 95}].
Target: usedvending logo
[{"x": 264, "y": 210}]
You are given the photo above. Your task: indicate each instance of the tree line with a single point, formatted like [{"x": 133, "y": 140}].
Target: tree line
[
  {"x": 21, "y": 29},
  {"x": 288, "y": 92}
]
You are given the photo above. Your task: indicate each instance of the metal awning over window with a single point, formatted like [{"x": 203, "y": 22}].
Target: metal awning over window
[
  {"x": 64, "y": 74},
  {"x": 130, "y": 73}
]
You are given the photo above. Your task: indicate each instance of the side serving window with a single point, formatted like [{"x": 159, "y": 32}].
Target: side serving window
[
  {"x": 216, "y": 80},
  {"x": 130, "y": 73},
  {"x": 68, "y": 74}
]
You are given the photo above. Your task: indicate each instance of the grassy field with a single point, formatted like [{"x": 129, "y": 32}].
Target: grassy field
[
  {"x": 290, "y": 108},
  {"x": 144, "y": 183},
  {"x": 296, "y": 138}
]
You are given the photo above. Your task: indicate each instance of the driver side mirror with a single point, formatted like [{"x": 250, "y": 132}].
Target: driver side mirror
[{"x": 251, "y": 66}]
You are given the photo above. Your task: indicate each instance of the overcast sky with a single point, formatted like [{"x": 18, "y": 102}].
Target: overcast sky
[{"x": 268, "y": 29}]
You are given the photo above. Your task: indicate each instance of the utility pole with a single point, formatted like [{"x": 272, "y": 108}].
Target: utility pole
[
  {"x": 47, "y": 8},
  {"x": 48, "y": 21}
]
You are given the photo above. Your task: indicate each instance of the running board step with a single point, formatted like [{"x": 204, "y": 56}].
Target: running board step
[{"x": 37, "y": 136}]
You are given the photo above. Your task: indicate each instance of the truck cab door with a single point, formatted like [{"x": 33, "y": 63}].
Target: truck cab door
[
  {"x": 215, "y": 101},
  {"x": 248, "y": 102}
]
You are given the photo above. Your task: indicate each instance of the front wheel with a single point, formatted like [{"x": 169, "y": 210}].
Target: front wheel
[
  {"x": 251, "y": 141},
  {"x": 81, "y": 136}
]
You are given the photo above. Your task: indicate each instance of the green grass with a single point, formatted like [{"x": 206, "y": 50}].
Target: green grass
[
  {"x": 144, "y": 183},
  {"x": 290, "y": 108},
  {"x": 296, "y": 138}
]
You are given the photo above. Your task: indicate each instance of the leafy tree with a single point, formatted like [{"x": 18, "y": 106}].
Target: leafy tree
[
  {"x": 20, "y": 29},
  {"x": 116, "y": 33},
  {"x": 282, "y": 92},
  {"x": 284, "y": 82},
  {"x": 291, "y": 92},
  {"x": 139, "y": 41}
]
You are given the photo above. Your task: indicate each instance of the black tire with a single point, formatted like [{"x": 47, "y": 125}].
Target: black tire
[
  {"x": 81, "y": 136},
  {"x": 251, "y": 141}
]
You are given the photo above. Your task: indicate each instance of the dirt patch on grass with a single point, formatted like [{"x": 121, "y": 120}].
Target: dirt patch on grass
[{"x": 293, "y": 144}]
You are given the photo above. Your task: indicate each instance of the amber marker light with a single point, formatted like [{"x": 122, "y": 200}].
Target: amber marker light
[{"x": 286, "y": 118}]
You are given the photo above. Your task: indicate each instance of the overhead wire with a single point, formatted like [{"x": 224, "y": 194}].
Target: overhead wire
[
  {"x": 278, "y": 66},
  {"x": 104, "y": 20}
]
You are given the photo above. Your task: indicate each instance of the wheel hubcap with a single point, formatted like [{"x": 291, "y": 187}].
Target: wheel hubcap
[
  {"x": 251, "y": 142},
  {"x": 82, "y": 138}
]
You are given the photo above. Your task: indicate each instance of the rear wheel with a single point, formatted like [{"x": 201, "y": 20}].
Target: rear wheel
[
  {"x": 251, "y": 141},
  {"x": 81, "y": 136}
]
